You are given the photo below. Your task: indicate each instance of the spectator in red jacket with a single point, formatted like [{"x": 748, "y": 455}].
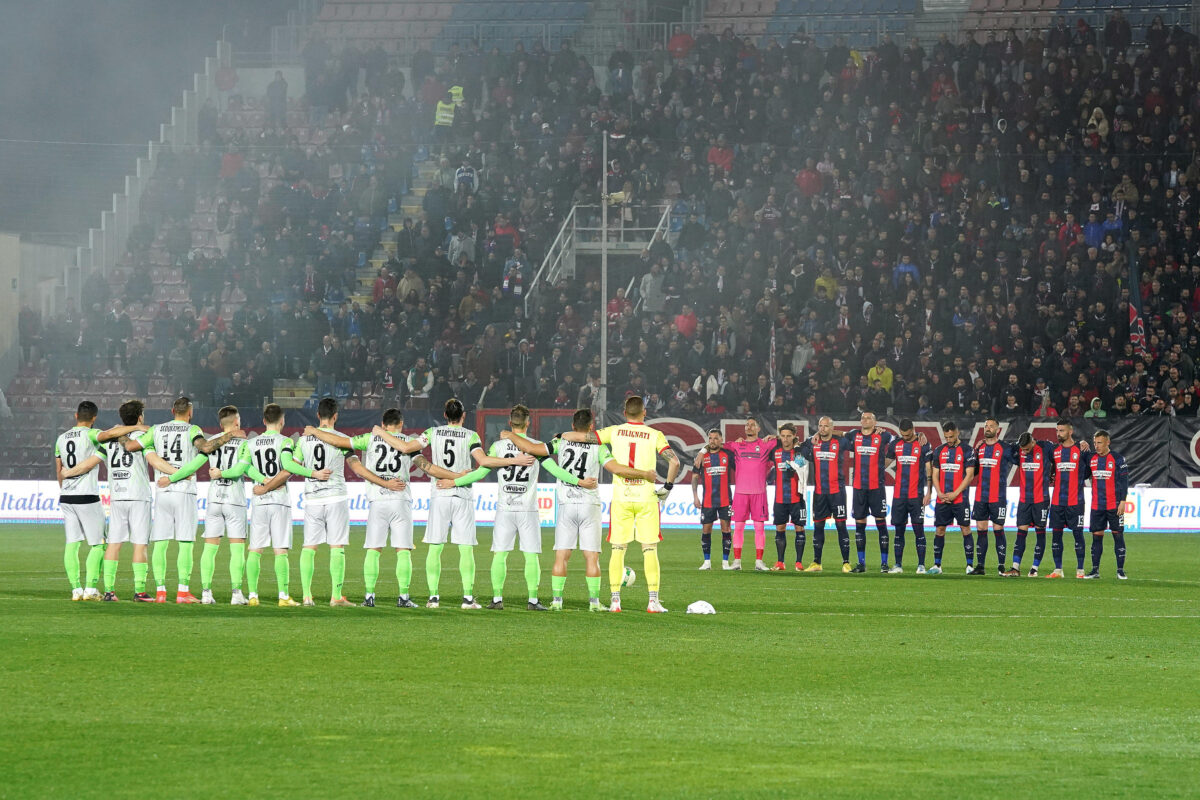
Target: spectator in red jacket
[
  {"x": 808, "y": 180},
  {"x": 681, "y": 43},
  {"x": 721, "y": 154},
  {"x": 685, "y": 322}
]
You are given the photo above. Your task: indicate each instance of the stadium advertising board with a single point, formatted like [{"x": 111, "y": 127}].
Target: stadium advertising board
[
  {"x": 1163, "y": 455},
  {"x": 1148, "y": 509}
]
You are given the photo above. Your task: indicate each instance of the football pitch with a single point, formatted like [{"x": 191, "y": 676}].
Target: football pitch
[{"x": 825, "y": 685}]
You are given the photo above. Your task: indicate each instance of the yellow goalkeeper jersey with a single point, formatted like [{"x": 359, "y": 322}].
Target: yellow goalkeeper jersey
[{"x": 636, "y": 445}]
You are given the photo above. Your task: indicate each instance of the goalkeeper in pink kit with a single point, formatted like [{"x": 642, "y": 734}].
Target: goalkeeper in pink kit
[{"x": 750, "y": 493}]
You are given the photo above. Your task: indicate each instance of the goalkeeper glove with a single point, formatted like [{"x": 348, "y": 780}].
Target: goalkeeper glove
[
  {"x": 663, "y": 491},
  {"x": 799, "y": 463}
]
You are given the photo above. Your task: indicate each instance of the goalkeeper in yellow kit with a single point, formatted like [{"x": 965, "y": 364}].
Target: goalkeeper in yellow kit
[{"x": 634, "y": 515}]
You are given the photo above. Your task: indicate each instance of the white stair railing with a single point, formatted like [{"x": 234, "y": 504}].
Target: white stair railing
[{"x": 560, "y": 259}]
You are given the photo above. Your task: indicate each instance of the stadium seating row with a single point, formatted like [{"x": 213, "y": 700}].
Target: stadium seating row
[
  {"x": 1014, "y": 5},
  {"x": 806, "y": 8},
  {"x": 483, "y": 12},
  {"x": 498, "y": 12},
  {"x": 995, "y": 20}
]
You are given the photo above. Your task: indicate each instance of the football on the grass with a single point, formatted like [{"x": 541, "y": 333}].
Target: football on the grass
[{"x": 630, "y": 577}]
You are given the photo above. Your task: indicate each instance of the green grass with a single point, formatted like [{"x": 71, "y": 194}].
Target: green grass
[{"x": 831, "y": 685}]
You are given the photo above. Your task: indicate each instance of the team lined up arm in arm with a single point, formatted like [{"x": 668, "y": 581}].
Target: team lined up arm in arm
[
  {"x": 237, "y": 469},
  {"x": 186, "y": 471},
  {"x": 85, "y": 466},
  {"x": 357, "y": 467},
  {"x": 408, "y": 447},
  {"x": 294, "y": 463}
]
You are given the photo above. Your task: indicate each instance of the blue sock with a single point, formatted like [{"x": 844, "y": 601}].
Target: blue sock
[
  {"x": 1080, "y": 547},
  {"x": 860, "y": 541},
  {"x": 883, "y": 541},
  {"x": 969, "y": 549},
  {"x": 1039, "y": 548},
  {"x": 706, "y": 545},
  {"x": 1119, "y": 548},
  {"x": 1019, "y": 548},
  {"x": 1056, "y": 547},
  {"x": 939, "y": 544}
]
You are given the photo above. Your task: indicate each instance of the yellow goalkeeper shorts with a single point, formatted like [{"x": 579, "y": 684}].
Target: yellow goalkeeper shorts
[{"x": 628, "y": 522}]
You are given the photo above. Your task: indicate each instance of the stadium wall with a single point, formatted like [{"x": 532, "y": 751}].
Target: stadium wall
[{"x": 1147, "y": 510}]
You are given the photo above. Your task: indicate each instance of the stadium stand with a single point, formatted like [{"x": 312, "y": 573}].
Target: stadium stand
[{"x": 916, "y": 227}]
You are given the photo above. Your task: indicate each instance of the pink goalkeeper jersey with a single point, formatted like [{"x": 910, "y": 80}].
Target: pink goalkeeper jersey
[{"x": 752, "y": 463}]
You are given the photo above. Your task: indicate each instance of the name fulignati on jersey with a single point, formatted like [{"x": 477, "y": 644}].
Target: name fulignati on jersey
[{"x": 1147, "y": 509}]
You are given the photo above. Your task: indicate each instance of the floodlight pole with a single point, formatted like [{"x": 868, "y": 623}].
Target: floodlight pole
[{"x": 604, "y": 274}]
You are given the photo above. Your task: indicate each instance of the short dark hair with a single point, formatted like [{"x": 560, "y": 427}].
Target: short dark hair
[
  {"x": 87, "y": 411},
  {"x": 327, "y": 408},
  {"x": 519, "y": 416},
  {"x": 393, "y": 416},
  {"x": 787, "y": 426},
  {"x": 1025, "y": 439},
  {"x": 272, "y": 413},
  {"x": 905, "y": 425},
  {"x": 131, "y": 411},
  {"x": 949, "y": 425},
  {"x": 1102, "y": 432},
  {"x": 181, "y": 405},
  {"x": 226, "y": 412},
  {"x": 582, "y": 420},
  {"x": 1065, "y": 422},
  {"x": 454, "y": 409},
  {"x": 635, "y": 406}
]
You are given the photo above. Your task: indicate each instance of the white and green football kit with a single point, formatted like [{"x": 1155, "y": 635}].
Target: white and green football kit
[
  {"x": 326, "y": 504},
  {"x": 389, "y": 518},
  {"x": 271, "y": 513},
  {"x": 79, "y": 497},
  {"x": 129, "y": 491},
  {"x": 578, "y": 523},
  {"x": 517, "y": 519},
  {"x": 225, "y": 514},
  {"x": 175, "y": 506},
  {"x": 451, "y": 511}
]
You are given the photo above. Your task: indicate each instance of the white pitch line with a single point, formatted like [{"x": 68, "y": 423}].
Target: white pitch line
[{"x": 831, "y": 590}]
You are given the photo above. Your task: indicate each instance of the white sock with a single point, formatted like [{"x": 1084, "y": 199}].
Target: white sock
[
  {"x": 161, "y": 588},
  {"x": 183, "y": 587}
]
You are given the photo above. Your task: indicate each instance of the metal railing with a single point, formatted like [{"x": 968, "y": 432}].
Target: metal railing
[
  {"x": 561, "y": 251},
  {"x": 619, "y": 230},
  {"x": 106, "y": 244}
]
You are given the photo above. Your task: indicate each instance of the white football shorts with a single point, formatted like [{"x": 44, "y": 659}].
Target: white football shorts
[
  {"x": 451, "y": 518},
  {"x": 225, "y": 520},
  {"x": 174, "y": 517},
  {"x": 578, "y": 527},
  {"x": 390, "y": 516},
  {"x": 129, "y": 521},
  {"x": 84, "y": 522},
  {"x": 328, "y": 523},
  {"x": 271, "y": 526},
  {"x": 513, "y": 526}
]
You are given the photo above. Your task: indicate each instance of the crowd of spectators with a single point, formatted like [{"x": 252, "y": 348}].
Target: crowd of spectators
[{"x": 926, "y": 231}]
